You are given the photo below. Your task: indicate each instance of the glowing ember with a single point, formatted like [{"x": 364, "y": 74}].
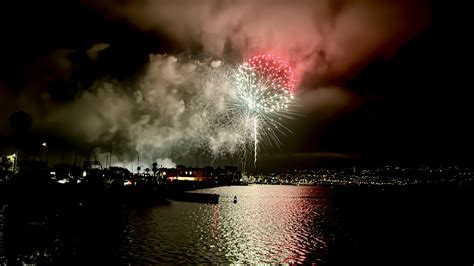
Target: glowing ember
[{"x": 275, "y": 69}]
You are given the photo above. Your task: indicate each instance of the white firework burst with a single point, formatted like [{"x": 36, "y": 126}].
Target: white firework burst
[{"x": 257, "y": 107}]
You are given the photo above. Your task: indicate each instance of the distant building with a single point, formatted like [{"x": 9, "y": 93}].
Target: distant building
[
  {"x": 92, "y": 165},
  {"x": 183, "y": 173}
]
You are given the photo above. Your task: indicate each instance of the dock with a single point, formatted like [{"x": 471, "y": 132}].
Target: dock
[{"x": 195, "y": 197}]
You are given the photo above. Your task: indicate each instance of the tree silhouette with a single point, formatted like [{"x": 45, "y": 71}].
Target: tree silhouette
[
  {"x": 155, "y": 168},
  {"x": 20, "y": 122},
  {"x": 3, "y": 142},
  {"x": 5, "y": 163}
]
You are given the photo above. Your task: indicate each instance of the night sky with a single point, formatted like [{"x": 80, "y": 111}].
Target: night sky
[{"x": 379, "y": 81}]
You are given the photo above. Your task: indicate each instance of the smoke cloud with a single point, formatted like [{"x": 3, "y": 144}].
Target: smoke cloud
[
  {"x": 172, "y": 111},
  {"x": 326, "y": 40}
]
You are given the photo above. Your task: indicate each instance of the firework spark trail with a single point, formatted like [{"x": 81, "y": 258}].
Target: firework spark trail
[
  {"x": 255, "y": 141},
  {"x": 264, "y": 92}
]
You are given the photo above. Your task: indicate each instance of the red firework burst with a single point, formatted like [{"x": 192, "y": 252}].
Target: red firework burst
[{"x": 275, "y": 69}]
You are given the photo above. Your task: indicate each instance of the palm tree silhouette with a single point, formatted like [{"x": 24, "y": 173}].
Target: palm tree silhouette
[{"x": 21, "y": 123}]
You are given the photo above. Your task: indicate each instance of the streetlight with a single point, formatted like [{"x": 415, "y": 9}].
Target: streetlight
[{"x": 45, "y": 145}]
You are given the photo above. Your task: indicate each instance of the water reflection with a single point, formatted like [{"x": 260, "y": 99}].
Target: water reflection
[{"x": 268, "y": 224}]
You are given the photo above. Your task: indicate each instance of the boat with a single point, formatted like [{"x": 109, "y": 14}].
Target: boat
[{"x": 212, "y": 198}]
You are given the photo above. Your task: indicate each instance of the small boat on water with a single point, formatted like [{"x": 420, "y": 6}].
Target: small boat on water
[{"x": 235, "y": 199}]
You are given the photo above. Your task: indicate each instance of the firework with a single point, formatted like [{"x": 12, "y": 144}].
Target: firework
[
  {"x": 275, "y": 69},
  {"x": 264, "y": 87},
  {"x": 187, "y": 108}
]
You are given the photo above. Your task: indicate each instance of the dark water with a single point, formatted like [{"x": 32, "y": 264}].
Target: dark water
[
  {"x": 267, "y": 224},
  {"x": 281, "y": 224}
]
